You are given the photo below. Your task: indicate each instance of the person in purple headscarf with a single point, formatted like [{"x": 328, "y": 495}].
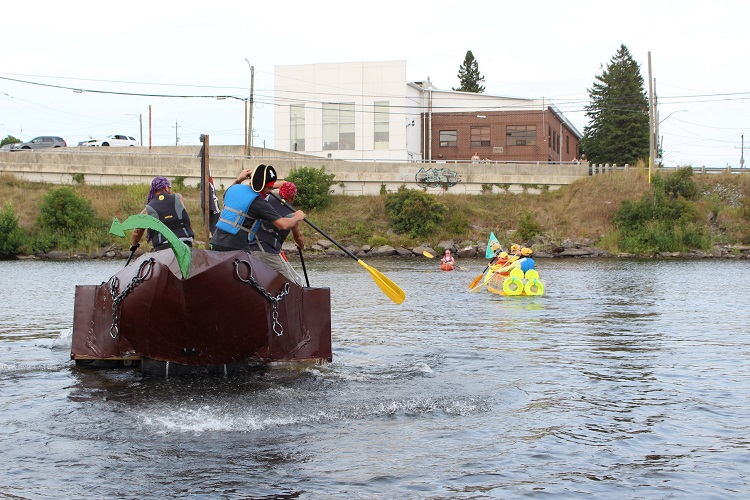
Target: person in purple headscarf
[{"x": 170, "y": 209}]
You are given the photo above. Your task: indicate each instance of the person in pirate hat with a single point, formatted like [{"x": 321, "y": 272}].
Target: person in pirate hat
[{"x": 245, "y": 208}]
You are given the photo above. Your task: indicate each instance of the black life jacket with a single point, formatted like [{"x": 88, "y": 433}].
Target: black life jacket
[{"x": 169, "y": 209}]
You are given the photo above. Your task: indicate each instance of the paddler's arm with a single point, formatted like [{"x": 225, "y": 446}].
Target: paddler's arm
[
  {"x": 135, "y": 240},
  {"x": 298, "y": 237},
  {"x": 244, "y": 175},
  {"x": 289, "y": 222}
]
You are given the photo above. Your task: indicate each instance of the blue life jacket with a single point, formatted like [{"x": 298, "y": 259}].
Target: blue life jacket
[
  {"x": 237, "y": 201},
  {"x": 526, "y": 264}
]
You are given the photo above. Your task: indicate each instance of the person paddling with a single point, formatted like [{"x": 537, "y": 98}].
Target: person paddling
[
  {"x": 170, "y": 209},
  {"x": 448, "y": 260},
  {"x": 269, "y": 238},
  {"x": 245, "y": 208}
]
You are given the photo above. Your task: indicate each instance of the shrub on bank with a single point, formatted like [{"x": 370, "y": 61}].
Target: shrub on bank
[
  {"x": 12, "y": 237},
  {"x": 67, "y": 221},
  {"x": 662, "y": 219},
  {"x": 313, "y": 187},
  {"x": 414, "y": 212}
]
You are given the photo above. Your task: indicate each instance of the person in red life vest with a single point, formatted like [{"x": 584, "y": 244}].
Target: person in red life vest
[
  {"x": 448, "y": 259},
  {"x": 269, "y": 238},
  {"x": 245, "y": 208},
  {"x": 170, "y": 209}
]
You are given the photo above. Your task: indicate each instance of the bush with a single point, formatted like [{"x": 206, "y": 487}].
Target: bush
[
  {"x": 313, "y": 187},
  {"x": 178, "y": 184},
  {"x": 528, "y": 227},
  {"x": 67, "y": 221},
  {"x": 662, "y": 219},
  {"x": 414, "y": 212},
  {"x": 681, "y": 183},
  {"x": 12, "y": 237}
]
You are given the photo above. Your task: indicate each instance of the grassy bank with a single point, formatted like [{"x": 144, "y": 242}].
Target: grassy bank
[{"x": 582, "y": 211}]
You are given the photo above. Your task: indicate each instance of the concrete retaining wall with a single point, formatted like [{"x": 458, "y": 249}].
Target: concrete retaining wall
[{"x": 138, "y": 165}]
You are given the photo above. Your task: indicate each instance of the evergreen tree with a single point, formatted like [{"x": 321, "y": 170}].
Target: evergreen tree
[
  {"x": 469, "y": 76},
  {"x": 618, "y": 110}
]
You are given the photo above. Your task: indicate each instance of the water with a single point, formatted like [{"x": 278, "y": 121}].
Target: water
[{"x": 628, "y": 379}]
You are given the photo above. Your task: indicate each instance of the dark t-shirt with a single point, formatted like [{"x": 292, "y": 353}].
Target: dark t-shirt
[
  {"x": 270, "y": 236},
  {"x": 259, "y": 209}
]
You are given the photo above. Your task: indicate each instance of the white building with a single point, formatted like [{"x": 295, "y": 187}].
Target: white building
[{"x": 369, "y": 111}]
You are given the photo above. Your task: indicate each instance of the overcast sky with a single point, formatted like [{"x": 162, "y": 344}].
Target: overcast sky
[{"x": 551, "y": 49}]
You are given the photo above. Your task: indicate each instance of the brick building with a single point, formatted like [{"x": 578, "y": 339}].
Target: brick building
[{"x": 369, "y": 111}]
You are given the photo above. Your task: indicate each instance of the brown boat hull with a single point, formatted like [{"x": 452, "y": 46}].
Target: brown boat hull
[{"x": 221, "y": 313}]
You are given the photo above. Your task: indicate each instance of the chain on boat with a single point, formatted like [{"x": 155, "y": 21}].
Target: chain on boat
[
  {"x": 277, "y": 328},
  {"x": 144, "y": 273}
]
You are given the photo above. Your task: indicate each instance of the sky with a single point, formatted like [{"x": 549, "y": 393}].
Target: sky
[{"x": 180, "y": 55}]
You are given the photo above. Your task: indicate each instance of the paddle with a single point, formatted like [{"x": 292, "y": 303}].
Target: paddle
[
  {"x": 132, "y": 252},
  {"x": 475, "y": 282},
  {"x": 304, "y": 269},
  {"x": 501, "y": 268},
  {"x": 392, "y": 290}
]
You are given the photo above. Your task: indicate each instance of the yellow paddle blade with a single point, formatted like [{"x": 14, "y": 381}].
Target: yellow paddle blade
[
  {"x": 475, "y": 281},
  {"x": 392, "y": 290},
  {"x": 428, "y": 254}
]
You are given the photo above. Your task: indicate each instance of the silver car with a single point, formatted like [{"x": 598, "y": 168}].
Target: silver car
[{"x": 41, "y": 142}]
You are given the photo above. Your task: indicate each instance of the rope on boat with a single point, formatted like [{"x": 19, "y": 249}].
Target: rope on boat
[
  {"x": 277, "y": 328},
  {"x": 117, "y": 297}
]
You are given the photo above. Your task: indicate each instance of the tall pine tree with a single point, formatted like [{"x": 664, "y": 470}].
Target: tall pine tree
[
  {"x": 618, "y": 110},
  {"x": 468, "y": 75}
]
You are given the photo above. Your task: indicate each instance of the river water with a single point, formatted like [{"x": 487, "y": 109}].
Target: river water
[{"x": 627, "y": 379}]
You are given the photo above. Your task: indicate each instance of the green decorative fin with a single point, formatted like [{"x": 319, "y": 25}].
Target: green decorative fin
[{"x": 143, "y": 221}]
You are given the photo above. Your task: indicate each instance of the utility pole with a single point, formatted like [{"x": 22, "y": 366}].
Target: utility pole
[
  {"x": 651, "y": 155},
  {"x": 176, "y": 137},
  {"x": 150, "y": 124},
  {"x": 250, "y": 114},
  {"x": 742, "y": 152},
  {"x": 657, "y": 142}
]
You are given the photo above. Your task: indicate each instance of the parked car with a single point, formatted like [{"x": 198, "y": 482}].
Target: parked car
[
  {"x": 41, "y": 142},
  {"x": 114, "y": 140}
]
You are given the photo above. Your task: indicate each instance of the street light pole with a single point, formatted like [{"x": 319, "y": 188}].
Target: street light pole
[
  {"x": 140, "y": 122},
  {"x": 660, "y": 139},
  {"x": 250, "y": 113}
]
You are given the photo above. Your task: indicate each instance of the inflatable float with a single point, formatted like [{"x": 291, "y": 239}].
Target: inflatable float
[{"x": 515, "y": 283}]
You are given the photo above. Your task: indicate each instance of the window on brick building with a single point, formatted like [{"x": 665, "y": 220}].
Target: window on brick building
[
  {"x": 520, "y": 135},
  {"x": 480, "y": 136},
  {"x": 382, "y": 119},
  {"x": 448, "y": 138},
  {"x": 338, "y": 126}
]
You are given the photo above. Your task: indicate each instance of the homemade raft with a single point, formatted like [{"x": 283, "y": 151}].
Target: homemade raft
[{"x": 188, "y": 307}]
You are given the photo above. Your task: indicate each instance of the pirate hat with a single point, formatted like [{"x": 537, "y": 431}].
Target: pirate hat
[{"x": 262, "y": 175}]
